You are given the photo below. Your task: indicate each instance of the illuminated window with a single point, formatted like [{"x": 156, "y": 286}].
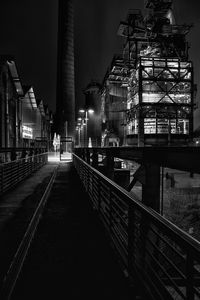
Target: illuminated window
[
  {"x": 183, "y": 126},
  {"x": 148, "y": 72},
  {"x": 27, "y": 132},
  {"x": 132, "y": 127},
  {"x": 154, "y": 97},
  {"x": 146, "y": 62},
  {"x": 185, "y": 65},
  {"x": 159, "y": 63},
  {"x": 162, "y": 126},
  {"x": 149, "y": 125},
  {"x": 172, "y": 64}
]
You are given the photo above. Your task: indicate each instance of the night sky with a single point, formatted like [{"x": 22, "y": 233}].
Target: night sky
[{"x": 28, "y": 31}]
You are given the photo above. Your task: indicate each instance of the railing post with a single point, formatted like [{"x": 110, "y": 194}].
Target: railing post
[
  {"x": 189, "y": 277},
  {"x": 11, "y": 173},
  {"x": 110, "y": 211},
  {"x": 88, "y": 156},
  {"x": 1, "y": 168},
  {"x": 82, "y": 153},
  {"x": 131, "y": 225},
  {"x": 18, "y": 175},
  {"x": 110, "y": 165},
  {"x": 133, "y": 283},
  {"x": 99, "y": 196},
  {"x": 151, "y": 188},
  {"x": 95, "y": 158}
]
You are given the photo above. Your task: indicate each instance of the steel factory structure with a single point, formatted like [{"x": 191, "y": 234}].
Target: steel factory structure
[{"x": 149, "y": 88}]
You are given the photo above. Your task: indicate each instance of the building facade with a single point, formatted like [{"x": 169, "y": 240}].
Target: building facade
[
  {"x": 24, "y": 121},
  {"x": 10, "y": 104},
  {"x": 113, "y": 104}
]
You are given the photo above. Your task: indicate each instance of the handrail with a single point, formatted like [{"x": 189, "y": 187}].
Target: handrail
[
  {"x": 181, "y": 158},
  {"x": 25, "y": 158},
  {"x": 165, "y": 259},
  {"x": 11, "y": 173},
  {"x": 18, "y": 149}
]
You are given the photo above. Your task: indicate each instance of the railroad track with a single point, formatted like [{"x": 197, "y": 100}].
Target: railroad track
[{"x": 16, "y": 265}]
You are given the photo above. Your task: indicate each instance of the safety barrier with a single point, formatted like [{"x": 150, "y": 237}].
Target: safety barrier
[
  {"x": 11, "y": 173},
  {"x": 164, "y": 259}
]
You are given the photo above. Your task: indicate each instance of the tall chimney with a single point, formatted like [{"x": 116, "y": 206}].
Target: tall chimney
[{"x": 65, "y": 102}]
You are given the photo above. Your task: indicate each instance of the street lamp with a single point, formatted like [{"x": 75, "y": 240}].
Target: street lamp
[
  {"x": 79, "y": 127},
  {"x": 86, "y": 112}
]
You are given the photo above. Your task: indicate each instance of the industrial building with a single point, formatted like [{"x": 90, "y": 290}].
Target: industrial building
[
  {"x": 36, "y": 118},
  {"x": 24, "y": 120},
  {"x": 10, "y": 110},
  {"x": 151, "y": 83},
  {"x": 114, "y": 103}
]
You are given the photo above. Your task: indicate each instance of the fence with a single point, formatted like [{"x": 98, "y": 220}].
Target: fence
[
  {"x": 11, "y": 173},
  {"x": 164, "y": 259}
]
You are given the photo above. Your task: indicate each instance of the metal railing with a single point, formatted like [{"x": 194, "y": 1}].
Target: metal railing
[
  {"x": 11, "y": 173},
  {"x": 164, "y": 259}
]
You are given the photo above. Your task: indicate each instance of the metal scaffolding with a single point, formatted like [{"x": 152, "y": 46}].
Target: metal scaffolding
[
  {"x": 158, "y": 77},
  {"x": 160, "y": 100}
]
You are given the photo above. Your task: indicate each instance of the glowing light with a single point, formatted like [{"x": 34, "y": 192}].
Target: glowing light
[
  {"x": 27, "y": 132},
  {"x": 90, "y": 111}
]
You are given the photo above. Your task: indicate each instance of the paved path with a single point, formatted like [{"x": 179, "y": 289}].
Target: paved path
[
  {"x": 13, "y": 199},
  {"x": 70, "y": 257},
  {"x": 16, "y": 209}
]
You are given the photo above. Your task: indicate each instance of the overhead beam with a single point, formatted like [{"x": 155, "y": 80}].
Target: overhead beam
[{"x": 181, "y": 158}]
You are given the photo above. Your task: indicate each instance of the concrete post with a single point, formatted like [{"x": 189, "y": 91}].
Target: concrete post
[
  {"x": 151, "y": 188},
  {"x": 110, "y": 165},
  {"x": 87, "y": 156},
  {"x": 95, "y": 158}
]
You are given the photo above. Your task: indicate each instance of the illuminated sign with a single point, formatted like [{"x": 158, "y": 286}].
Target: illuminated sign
[{"x": 27, "y": 132}]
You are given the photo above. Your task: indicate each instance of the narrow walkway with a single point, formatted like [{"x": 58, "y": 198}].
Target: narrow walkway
[
  {"x": 70, "y": 257},
  {"x": 12, "y": 200},
  {"x": 16, "y": 209}
]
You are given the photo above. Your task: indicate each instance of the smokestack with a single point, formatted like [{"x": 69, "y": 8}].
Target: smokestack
[{"x": 65, "y": 102}]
